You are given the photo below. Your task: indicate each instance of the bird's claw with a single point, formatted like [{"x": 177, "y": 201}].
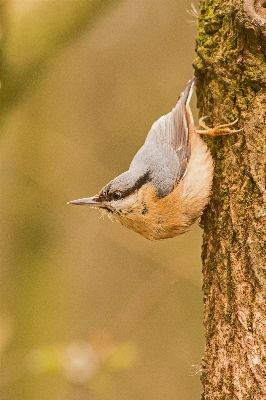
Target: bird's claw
[{"x": 218, "y": 130}]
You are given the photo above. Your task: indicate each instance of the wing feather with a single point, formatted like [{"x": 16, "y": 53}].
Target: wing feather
[
  {"x": 171, "y": 132},
  {"x": 166, "y": 150}
]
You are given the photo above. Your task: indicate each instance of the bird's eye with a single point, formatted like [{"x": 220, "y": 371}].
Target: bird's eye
[{"x": 116, "y": 195}]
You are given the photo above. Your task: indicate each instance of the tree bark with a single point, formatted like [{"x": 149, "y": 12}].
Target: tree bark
[{"x": 231, "y": 71}]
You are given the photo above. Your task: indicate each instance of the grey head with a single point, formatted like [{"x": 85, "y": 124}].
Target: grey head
[
  {"x": 119, "y": 188},
  {"x": 162, "y": 160}
]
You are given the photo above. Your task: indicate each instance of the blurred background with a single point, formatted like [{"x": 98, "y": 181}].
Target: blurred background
[{"x": 89, "y": 309}]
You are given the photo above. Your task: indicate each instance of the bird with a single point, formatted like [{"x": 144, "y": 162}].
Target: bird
[{"x": 169, "y": 180}]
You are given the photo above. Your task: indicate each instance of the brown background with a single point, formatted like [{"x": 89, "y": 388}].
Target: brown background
[{"x": 66, "y": 274}]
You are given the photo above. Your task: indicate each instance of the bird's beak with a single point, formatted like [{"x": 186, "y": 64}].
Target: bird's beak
[{"x": 89, "y": 201}]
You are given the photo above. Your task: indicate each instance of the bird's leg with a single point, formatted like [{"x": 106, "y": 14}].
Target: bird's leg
[{"x": 217, "y": 130}]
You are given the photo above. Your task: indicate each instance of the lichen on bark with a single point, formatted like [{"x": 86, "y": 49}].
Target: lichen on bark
[{"x": 231, "y": 83}]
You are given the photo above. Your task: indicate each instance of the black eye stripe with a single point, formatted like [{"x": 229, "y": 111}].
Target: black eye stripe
[
  {"x": 117, "y": 195},
  {"x": 108, "y": 195},
  {"x": 140, "y": 182}
]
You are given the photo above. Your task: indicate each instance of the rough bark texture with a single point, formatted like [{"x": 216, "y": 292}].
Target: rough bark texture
[{"x": 231, "y": 72}]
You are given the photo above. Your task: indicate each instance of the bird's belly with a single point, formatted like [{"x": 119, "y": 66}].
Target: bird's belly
[{"x": 161, "y": 218}]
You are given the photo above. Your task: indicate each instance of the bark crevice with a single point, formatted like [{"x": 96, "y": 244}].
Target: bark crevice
[{"x": 231, "y": 72}]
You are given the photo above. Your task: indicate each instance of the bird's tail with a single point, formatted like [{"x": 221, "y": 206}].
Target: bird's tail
[{"x": 188, "y": 90}]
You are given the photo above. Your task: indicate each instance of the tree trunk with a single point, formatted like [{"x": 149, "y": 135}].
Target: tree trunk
[{"x": 231, "y": 72}]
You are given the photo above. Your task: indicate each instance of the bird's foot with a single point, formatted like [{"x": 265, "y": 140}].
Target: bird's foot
[{"x": 217, "y": 130}]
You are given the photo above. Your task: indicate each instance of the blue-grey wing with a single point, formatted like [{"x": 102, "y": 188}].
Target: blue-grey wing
[{"x": 166, "y": 150}]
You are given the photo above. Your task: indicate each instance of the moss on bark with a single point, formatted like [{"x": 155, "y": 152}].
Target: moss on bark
[{"x": 231, "y": 72}]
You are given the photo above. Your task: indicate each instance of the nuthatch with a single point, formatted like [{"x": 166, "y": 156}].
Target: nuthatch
[{"x": 169, "y": 180}]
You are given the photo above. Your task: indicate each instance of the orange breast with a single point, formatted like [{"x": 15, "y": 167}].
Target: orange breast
[{"x": 172, "y": 215}]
